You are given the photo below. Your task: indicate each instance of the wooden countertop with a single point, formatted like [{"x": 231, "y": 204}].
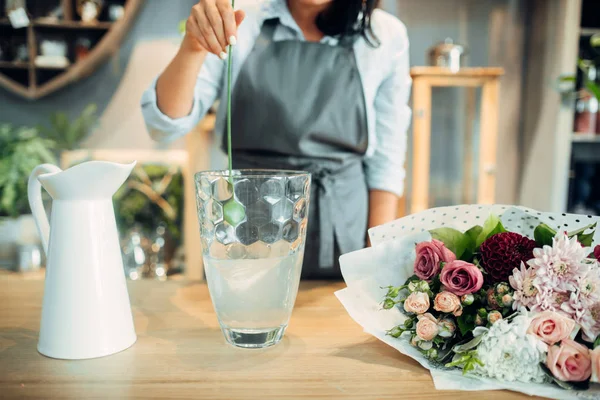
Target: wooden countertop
[{"x": 180, "y": 353}]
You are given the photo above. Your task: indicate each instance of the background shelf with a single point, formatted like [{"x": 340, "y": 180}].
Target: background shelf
[
  {"x": 14, "y": 65},
  {"x": 87, "y": 44},
  {"x": 585, "y": 138},
  {"x": 72, "y": 24},
  {"x": 590, "y": 31}
]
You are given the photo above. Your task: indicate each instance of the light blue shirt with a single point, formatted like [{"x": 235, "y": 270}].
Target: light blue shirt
[{"x": 384, "y": 72}]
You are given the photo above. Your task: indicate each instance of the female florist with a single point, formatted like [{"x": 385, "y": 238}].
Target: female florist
[{"x": 515, "y": 306}]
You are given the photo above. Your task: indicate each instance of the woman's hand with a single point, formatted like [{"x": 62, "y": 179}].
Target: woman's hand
[{"x": 212, "y": 26}]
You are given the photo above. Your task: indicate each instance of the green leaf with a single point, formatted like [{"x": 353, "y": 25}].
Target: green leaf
[
  {"x": 466, "y": 323},
  {"x": 543, "y": 235},
  {"x": 69, "y": 134},
  {"x": 412, "y": 278},
  {"x": 585, "y": 239},
  {"x": 474, "y": 232},
  {"x": 393, "y": 291},
  {"x": 396, "y": 331},
  {"x": 21, "y": 149},
  {"x": 388, "y": 304},
  {"x": 472, "y": 247},
  {"x": 456, "y": 241},
  {"x": 59, "y": 121},
  {"x": 439, "y": 340},
  {"x": 597, "y": 342},
  {"x": 492, "y": 226},
  {"x": 457, "y": 361},
  {"x": 89, "y": 112},
  {"x": 594, "y": 88},
  {"x": 435, "y": 284},
  {"x": 567, "y": 78},
  {"x": 8, "y": 196},
  {"x": 470, "y": 345}
]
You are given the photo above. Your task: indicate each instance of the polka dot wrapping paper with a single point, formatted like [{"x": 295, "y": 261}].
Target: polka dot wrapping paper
[
  {"x": 518, "y": 219},
  {"x": 390, "y": 261}
]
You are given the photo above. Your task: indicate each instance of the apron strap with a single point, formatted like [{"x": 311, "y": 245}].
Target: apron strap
[
  {"x": 326, "y": 181},
  {"x": 267, "y": 31},
  {"x": 348, "y": 41}
]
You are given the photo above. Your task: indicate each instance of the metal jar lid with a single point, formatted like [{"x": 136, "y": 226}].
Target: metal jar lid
[{"x": 447, "y": 47}]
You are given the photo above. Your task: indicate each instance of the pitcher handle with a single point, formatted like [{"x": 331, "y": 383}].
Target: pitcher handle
[{"x": 34, "y": 193}]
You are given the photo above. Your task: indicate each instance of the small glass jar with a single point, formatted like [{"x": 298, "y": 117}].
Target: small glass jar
[
  {"x": 83, "y": 46},
  {"x": 586, "y": 116},
  {"x": 89, "y": 10}
]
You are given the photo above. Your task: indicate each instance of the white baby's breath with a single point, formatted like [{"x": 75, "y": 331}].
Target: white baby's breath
[{"x": 509, "y": 353}]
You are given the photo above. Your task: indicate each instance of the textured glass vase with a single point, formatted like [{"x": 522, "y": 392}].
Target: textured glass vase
[{"x": 253, "y": 230}]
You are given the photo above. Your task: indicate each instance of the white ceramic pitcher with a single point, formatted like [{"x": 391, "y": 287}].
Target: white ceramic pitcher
[{"x": 86, "y": 311}]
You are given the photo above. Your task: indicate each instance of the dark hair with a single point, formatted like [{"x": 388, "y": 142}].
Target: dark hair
[{"x": 347, "y": 18}]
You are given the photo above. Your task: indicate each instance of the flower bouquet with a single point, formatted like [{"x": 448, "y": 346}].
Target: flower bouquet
[{"x": 485, "y": 297}]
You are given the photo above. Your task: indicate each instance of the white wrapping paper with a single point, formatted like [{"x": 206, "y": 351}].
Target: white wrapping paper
[{"x": 390, "y": 262}]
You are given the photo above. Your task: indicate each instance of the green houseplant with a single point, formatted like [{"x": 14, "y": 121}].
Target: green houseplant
[
  {"x": 21, "y": 150},
  {"x": 566, "y": 83},
  {"x": 68, "y": 134}
]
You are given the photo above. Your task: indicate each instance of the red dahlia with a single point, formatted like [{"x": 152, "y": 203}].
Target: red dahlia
[{"x": 504, "y": 252}]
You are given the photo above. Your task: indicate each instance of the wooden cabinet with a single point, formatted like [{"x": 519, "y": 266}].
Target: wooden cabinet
[{"x": 424, "y": 79}]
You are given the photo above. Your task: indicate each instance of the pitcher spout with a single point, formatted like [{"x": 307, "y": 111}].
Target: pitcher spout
[{"x": 92, "y": 180}]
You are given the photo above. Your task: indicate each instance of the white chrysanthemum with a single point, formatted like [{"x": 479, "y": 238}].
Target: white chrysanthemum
[
  {"x": 588, "y": 317},
  {"x": 557, "y": 267},
  {"x": 588, "y": 285},
  {"x": 510, "y": 354},
  {"x": 526, "y": 294},
  {"x": 590, "y": 323}
]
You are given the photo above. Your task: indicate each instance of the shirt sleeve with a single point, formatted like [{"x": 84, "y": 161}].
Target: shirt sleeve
[
  {"x": 208, "y": 87},
  {"x": 385, "y": 169}
]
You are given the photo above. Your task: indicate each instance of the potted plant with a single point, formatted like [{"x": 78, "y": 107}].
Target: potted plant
[
  {"x": 586, "y": 99},
  {"x": 66, "y": 134},
  {"x": 21, "y": 150}
]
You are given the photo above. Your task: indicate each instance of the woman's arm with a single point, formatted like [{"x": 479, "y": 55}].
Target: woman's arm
[
  {"x": 190, "y": 84},
  {"x": 385, "y": 168},
  {"x": 383, "y": 207},
  {"x": 175, "y": 86}
]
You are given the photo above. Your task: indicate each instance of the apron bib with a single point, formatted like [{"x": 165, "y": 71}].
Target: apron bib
[{"x": 300, "y": 105}]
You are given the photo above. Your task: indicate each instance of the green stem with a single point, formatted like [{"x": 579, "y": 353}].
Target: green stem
[{"x": 229, "y": 73}]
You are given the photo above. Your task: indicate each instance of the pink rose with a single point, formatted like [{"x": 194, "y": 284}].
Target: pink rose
[
  {"x": 596, "y": 365},
  {"x": 597, "y": 252},
  {"x": 429, "y": 257},
  {"x": 571, "y": 362},
  {"x": 417, "y": 303},
  {"x": 447, "y": 302},
  {"x": 460, "y": 277},
  {"x": 551, "y": 327},
  {"x": 427, "y": 327}
]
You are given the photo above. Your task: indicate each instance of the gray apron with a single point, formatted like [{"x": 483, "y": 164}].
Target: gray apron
[{"x": 300, "y": 105}]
